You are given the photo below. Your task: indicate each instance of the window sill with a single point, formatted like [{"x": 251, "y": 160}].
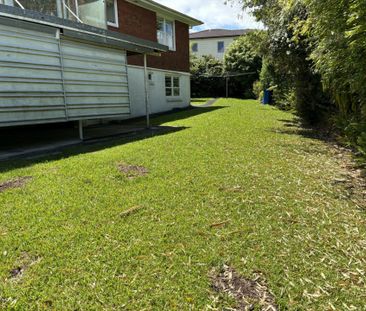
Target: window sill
[
  {"x": 113, "y": 25},
  {"x": 174, "y": 99}
]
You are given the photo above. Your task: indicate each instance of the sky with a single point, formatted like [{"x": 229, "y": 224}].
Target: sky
[{"x": 214, "y": 13}]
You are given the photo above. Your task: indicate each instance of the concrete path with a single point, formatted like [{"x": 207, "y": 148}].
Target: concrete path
[{"x": 209, "y": 103}]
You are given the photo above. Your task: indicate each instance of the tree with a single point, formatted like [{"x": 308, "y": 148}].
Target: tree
[
  {"x": 315, "y": 50},
  {"x": 286, "y": 52},
  {"x": 206, "y": 77},
  {"x": 242, "y": 57}
]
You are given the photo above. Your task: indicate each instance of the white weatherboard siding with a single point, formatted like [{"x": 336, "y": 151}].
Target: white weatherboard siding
[
  {"x": 45, "y": 78},
  {"x": 209, "y": 46},
  {"x": 159, "y": 102}
]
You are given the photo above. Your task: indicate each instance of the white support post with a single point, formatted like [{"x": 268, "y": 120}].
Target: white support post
[
  {"x": 147, "y": 103},
  {"x": 81, "y": 131}
]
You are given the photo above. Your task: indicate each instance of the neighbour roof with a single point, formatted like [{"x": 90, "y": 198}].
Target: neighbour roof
[
  {"x": 218, "y": 33},
  {"x": 162, "y": 9}
]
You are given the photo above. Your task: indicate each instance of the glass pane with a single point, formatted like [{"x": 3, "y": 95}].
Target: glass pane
[
  {"x": 43, "y": 6},
  {"x": 221, "y": 46},
  {"x": 168, "y": 92},
  {"x": 93, "y": 12},
  {"x": 176, "y": 91},
  {"x": 169, "y": 28},
  {"x": 169, "y": 41},
  {"x": 160, "y": 26},
  {"x": 161, "y": 37},
  {"x": 168, "y": 82},
  {"x": 176, "y": 82},
  {"x": 70, "y": 5},
  {"x": 7, "y": 2},
  {"x": 111, "y": 12},
  {"x": 195, "y": 47}
]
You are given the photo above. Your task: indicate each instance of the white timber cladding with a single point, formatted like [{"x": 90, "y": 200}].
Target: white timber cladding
[
  {"x": 95, "y": 80},
  {"x": 159, "y": 101},
  {"x": 45, "y": 78}
]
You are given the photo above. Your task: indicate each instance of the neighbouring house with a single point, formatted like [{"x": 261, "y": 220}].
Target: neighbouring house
[
  {"x": 214, "y": 42},
  {"x": 74, "y": 60}
]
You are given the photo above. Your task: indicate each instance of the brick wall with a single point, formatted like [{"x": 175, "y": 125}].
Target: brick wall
[{"x": 142, "y": 23}]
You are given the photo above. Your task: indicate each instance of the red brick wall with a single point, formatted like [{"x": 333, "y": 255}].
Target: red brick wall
[{"x": 140, "y": 22}]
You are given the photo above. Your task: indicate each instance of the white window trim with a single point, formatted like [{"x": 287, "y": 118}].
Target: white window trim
[
  {"x": 174, "y": 48},
  {"x": 172, "y": 87},
  {"x": 116, "y": 24}
]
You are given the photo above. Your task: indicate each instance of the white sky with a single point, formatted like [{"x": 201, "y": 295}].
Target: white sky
[{"x": 214, "y": 13}]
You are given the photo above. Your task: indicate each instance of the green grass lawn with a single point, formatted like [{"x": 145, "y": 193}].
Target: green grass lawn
[{"x": 280, "y": 196}]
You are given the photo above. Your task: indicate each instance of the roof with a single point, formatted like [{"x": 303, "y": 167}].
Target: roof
[
  {"x": 218, "y": 33},
  {"x": 11, "y": 15},
  {"x": 166, "y": 11}
]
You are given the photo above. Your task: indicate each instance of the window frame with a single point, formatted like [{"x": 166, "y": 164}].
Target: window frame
[
  {"x": 116, "y": 24},
  {"x": 195, "y": 50},
  {"x": 172, "y": 88},
  {"x": 165, "y": 20}
]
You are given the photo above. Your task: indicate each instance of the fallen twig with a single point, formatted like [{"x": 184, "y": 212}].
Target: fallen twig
[
  {"x": 131, "y": 211},
  {"x": 219, "y": 224}
]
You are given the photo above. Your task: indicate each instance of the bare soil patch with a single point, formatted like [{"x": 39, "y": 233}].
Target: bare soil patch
[
  {"x": 14, "y": 183},
  {"x": 249, "y": 294},
  {"x": 133, "y": 171},
  {"x": 24, "y": 262}
]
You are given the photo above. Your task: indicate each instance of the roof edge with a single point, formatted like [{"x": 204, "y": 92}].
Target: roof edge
[
  {"x": 83, "y": 31},
  {"x": 159, "y": 8},
  {"x": 212, "y": 37}
]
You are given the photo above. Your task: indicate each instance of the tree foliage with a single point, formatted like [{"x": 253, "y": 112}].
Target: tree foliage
[
  {"x": 209, "y": 74},
  {"x": 242, "y": 58},
  {"x": 206, "y": 73},
  {"x": 242, "y": 55},
  {"x": 315, "y": 55}
]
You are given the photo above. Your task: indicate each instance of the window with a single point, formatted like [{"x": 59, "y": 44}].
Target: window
[
  {"x": 220, "y": 47},
  {"x": 90, "y": 12},
  {"x": 7, "y": 2},
  {"x": 166, "y": 32},
  {"x": 172, "y": 86},
  {"x": 112, "y": 13},
  {"x": 195, "y": 47}
]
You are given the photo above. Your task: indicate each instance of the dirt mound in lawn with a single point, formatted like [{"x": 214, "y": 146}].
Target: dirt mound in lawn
[
  {"x": 14, "y": 183},
  {"x": 133, "y": 171},
  {"x": 250, "y": 294}
]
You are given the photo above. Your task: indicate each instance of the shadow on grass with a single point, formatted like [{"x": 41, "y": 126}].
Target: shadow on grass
[
  {"x": 182, "y": 114},
  {"x": 296, "y": 127},
  {"x": 108, "y": 142}
]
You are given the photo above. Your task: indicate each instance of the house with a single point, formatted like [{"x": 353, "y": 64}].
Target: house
[
  {"x": 214, "y": 42},
  {"x": 75, "y": 60}
]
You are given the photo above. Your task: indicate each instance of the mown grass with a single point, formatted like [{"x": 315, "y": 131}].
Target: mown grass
[{"x": 286, "y": 213}]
